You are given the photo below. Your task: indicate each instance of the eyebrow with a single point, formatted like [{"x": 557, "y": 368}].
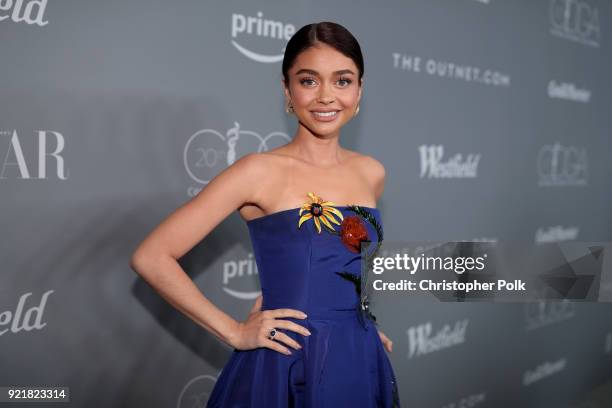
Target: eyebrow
[{"x": 313, "y": 72}]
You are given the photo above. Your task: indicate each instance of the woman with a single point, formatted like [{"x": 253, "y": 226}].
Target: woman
[{"x": 309, "y": 340}]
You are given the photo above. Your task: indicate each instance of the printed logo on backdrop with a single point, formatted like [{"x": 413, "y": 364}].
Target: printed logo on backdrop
[
  {"x": 17, "y": 165},
  {"x": 237, "y": 271},
  {"x": 469, "y": 401},
  {"x": 560, "y": 166},
  {"x": 543, "y": 371},
  {"x": 433, "y": 164},
  {"x": 422, "y": 341},
  {"x": 568, "y": 91},
  {"x": 196, "y": 392},
  {"x": 450, "y": 70},
  {"x": 30, "y": 12},
  {"x": 575, "y": 20},
  {"x": 545, "y": 313},
  {"x": 556, "y": 233},
  {"x": 22, "y": 319},
  {"x": 208, "y": 151},
  {"x": 251, "y": 33}
]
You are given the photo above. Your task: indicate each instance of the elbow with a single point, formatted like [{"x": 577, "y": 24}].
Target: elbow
[
  {"x": 137, "y": 261},
  {"x": 146, "y": 262}
]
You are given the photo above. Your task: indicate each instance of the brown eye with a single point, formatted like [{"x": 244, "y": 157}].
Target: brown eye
[{"x": 303, "y": 80}]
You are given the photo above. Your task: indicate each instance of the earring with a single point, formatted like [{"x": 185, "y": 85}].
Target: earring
[
  {"x": 356, "y": 111},
  {"x": 289, "y": 108}
]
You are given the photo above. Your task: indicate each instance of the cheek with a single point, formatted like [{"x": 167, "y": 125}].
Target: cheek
[
  {"x": 302, "y": 96},
  {"x": 348, "y": 101},
  {"x": 349, "y": 98},
  {"x": 302, "y": 99}
]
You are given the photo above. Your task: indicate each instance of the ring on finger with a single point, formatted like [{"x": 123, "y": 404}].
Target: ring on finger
[{"x": 272, "y": 334}]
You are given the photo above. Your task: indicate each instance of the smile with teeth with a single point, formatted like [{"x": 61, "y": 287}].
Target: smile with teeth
[{"x": 325, "y": 114}]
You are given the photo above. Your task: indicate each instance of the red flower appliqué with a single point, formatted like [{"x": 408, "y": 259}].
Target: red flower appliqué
[{"x": 353, "y": 232}]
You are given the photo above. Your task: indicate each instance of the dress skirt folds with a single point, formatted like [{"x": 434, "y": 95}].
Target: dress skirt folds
[{"x": 343, "y": 362}]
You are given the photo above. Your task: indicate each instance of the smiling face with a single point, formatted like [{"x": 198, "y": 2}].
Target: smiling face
[{"x": 323, "y": 88}]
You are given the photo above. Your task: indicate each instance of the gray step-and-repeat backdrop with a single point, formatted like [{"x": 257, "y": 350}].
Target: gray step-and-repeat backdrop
[{"x": 492, "y": 118}]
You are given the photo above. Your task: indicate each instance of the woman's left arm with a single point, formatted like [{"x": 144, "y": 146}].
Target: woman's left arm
[{"x": 376, "y": 173}]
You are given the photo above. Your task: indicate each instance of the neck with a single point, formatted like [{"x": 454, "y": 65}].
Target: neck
[{"x": 318, "y": 150}]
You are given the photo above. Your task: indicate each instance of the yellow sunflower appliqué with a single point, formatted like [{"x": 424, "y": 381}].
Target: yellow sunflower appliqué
[{"x": 322, "y": 212}]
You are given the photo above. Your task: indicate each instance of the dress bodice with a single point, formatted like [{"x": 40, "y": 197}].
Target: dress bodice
[{"x": 297, "y": 265}]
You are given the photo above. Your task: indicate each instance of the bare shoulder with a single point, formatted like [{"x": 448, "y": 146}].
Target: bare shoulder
[
  {"x": 372, "y": 170},
  {"x": 266, "y": 173},
  {"x": 375, "y": 166},
  {"x": 271, "y": 162},
  {"x": 369, "y": 166},
  {"x": 240, "y": 183},
  {"x": 260, "y": 164},
  {"x": 252, "y": 164}
]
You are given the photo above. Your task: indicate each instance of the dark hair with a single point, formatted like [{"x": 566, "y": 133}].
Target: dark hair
[{"x": 332, "y": 34}]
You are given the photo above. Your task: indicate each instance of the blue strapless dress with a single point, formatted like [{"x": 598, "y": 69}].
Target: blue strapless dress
[{"x": 343, "y": 362}]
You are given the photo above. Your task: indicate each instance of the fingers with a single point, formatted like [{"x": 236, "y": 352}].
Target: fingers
[
  {"x": 280, "y": 339},
  {"x": 269, "y": 320},
  {"x": 286, "y": 324},
  {"x": 283, "y": 338},
  {"x": 386, "y": 341},
  {"x": 275, "y": 313},
  {"x": 274, "y": 345},
  {"x": 289, "y": 325},
  {"x": 389, "y": 346}
]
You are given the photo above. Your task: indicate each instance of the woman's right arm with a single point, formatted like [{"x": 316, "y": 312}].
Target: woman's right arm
[{"x": 155, "y": 259}]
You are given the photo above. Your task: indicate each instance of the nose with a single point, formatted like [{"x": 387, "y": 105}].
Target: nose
[{"x": 325, "y": 96}]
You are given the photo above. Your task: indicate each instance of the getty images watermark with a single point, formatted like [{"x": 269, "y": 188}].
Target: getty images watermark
[{"x": 490, "y": 271}]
